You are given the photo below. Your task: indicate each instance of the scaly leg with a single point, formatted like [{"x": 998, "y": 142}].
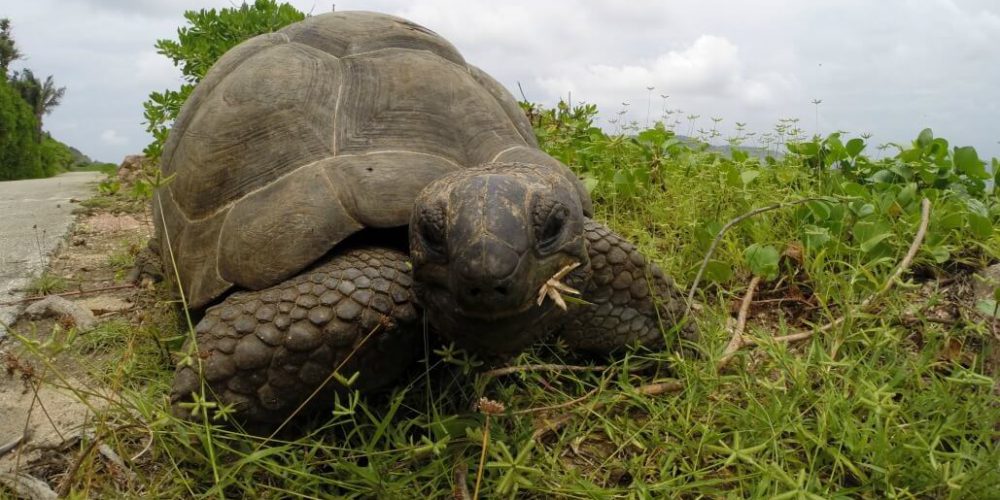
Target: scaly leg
[
  {"x": 266, "y": 352},
  {"x": 633, "y": 302}
]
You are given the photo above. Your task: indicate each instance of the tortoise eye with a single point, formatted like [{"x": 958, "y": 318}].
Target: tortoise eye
[{"x": 550, "y": 232}]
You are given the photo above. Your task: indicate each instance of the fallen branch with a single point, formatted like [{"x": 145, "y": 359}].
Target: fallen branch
[
  {"x": 66, "y": 294},
  {"x": 10, "y": 446},
  {"x": 727, "y": 227},
  {"x": 736, "y": 342},
  {"x": 925, "y": 215}
]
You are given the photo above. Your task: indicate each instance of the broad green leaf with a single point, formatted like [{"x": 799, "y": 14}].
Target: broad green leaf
[
  {"x": 939, "y": 254},
  {"x": 718, "y": 271},
  {"x": 988, "y": 307},
  {"x": 747, "y": 176},
  {"x": 967, "y": 161},
  {"x": 980, "y": 226},
  {"x": 763, "y": 260},
  {"x": 819, "y": 209},
  {"x": 815, "y": 236},
  {"x": 855, "y": 146},
  {"x": 590, "y": 183},
  {"x": 869, "y": 244},
  {"x": 925, "y": 137}
]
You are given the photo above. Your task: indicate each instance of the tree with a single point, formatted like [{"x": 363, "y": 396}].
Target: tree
[
  {"x": 19, "y": 146},
  {"x": 40, "y": 96},
  {"x": 8, "y": 51},
  {"x": 207, "y": 37}
]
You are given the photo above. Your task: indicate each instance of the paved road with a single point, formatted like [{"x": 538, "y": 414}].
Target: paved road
[{"x": 34, "y": 216}]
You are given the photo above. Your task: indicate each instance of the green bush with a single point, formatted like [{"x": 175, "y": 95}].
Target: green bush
[
  {"x": 19, "y": 149},
  {"x": 207, "y": 37}
]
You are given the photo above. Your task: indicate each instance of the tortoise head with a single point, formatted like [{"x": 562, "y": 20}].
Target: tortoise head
[{"x": 483, "y": 242}]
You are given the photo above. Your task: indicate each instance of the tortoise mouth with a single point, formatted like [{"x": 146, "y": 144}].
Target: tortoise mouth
[{"x": 497, "y": 332}]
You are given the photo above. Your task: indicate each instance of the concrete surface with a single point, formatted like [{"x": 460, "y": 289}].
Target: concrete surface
[{"x": 34, "y": 216}]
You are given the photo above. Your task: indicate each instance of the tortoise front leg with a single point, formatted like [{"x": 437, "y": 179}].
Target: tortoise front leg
[
  {"x": 265, "y": 352},
  {"x": 631, "y": 300}
]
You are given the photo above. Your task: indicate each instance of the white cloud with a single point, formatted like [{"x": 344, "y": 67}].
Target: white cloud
[
  {"x": 892, "y": 66},
  {"x": 111, "y": 137}
]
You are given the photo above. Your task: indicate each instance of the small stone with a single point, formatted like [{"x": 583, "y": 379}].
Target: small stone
[
  {"x": 58, "y": 307},
  {"x": 105, "y": 304}
]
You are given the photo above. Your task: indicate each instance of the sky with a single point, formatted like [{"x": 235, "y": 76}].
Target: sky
[{"x": 887, "y": 67}]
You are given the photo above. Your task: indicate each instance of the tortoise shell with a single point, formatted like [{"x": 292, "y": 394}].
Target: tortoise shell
[{"x": 297, "y": 139}]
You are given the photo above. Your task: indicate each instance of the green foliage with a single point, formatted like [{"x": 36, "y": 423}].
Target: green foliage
[
  {"x": 20, "y": 155},
  {"x": 40, "y": 95},
  {"x": 207, "y": 36},
  {"x": 8, "y": 49}
]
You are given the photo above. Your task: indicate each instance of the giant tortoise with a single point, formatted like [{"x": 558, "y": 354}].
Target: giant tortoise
[{"x": 339, "y": 180}]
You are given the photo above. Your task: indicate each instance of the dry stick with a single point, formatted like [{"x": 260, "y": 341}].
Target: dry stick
[
  {"x": 5, "y": 449},
  {"x": 741, "y": 322},
  {"x": 66, "y": 294},
  {"x": 508, "y": 370},
  {"x": 28, "y": 486},
  {"x": 925, "y": 215},
  {"x": 727, "y": 227}
]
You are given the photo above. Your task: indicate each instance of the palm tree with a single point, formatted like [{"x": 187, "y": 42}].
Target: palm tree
[{"x": 41, "y": 96}]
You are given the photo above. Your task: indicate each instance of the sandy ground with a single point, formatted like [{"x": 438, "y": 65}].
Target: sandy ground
[{"x": 36, "y": 215}]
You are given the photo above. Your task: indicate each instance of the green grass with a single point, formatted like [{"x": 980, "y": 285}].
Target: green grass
[
  {"x": 46, "y": 283},
  {"x": 877, "y": 407}
]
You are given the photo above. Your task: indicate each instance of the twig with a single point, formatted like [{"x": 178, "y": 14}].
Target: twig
[
  {"x": 560, "y": 405},
  {"x": 727, "y": 227},
  {"x": 925, "y": 215},
  {"x": 657, "y": 388},
  {"x": 66, "y": 294},
  {"x": 7, "y": 448},
  {"x": 508, "y": 370},
  {"x": 741, "y": 322}
]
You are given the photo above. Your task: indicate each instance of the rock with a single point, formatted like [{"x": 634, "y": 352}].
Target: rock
[
  {"x": 130, "y": 169},
  {"x": 104, "y": 304},
  {"x": 58, "y": 307}
]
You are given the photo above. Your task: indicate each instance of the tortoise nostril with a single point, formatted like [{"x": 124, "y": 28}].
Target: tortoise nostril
[
  {"x": 474, "y": 291},
  {"x": 501, "y": 290}
]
